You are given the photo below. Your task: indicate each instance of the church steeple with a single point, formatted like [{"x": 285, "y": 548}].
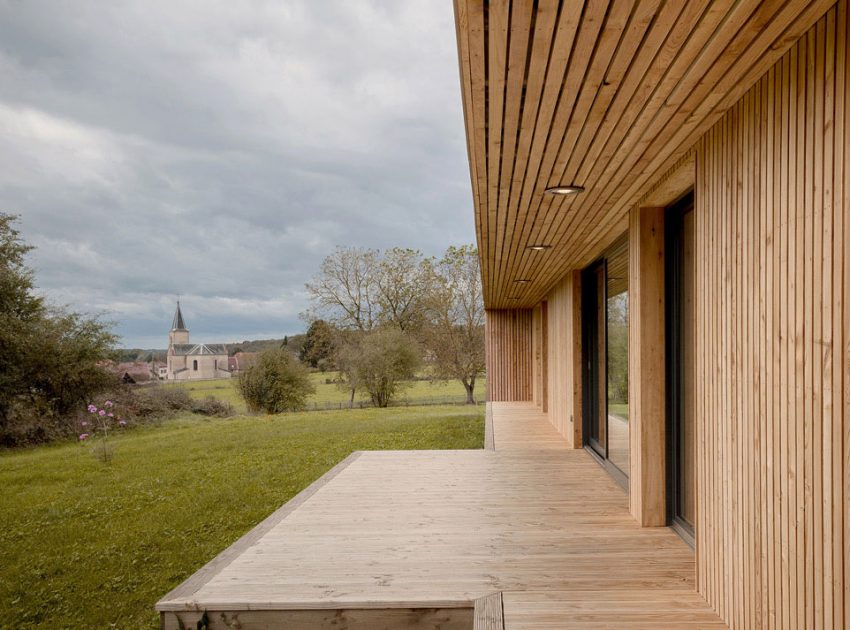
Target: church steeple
[
  {"x": 178, "y": 334},
  {"x": 178, "y": 323}
]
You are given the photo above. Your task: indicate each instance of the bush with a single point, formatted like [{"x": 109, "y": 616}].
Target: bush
[
  {"x": 212, "y": 406},
  {"x": 276, "y": 382},
  {"x": 379, "y": 363},
  {"x": 158, "y": 401}
]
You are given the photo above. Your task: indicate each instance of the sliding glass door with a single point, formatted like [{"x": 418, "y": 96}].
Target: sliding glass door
[
  {"x": 681, "y": 321},
  {"x": 605, "y": 323}
]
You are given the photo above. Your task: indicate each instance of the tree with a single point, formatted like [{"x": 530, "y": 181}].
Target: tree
[
  {"x": 360, "y": 289},
  {"x": 276, "y": 382},
  {"x": 454, "y": 334},
  {"x": 379, "y": 363},
  {"x": 51, "y": 358},
  {"x": 319, "y": 345},
  {"x": 402, "y": 277},
  {"x": 344, "y": 291}
]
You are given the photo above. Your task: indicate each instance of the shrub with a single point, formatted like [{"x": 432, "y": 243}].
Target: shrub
[
  {"x": 276, "y": 382},
  {"x": 379, "y": 363},
  {"x": 158, "y": 401},
  {"x": 212, "y": 406}
]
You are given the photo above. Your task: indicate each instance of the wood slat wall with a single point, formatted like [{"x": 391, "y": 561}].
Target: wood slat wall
[
  {"x": 564, "y": 358},
  {"x": 508, "y": 337},
  {"x": 604, "y": 94},
  {"x": 773, "y": 379}
]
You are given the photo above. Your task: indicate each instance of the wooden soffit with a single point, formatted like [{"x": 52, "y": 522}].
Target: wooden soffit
[{"x": 607, "y": 95}]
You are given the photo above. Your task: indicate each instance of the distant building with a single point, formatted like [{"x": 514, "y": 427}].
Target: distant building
[
  {"x": 134, "y": 372},
  {"x": 240, "y": 361},
  {"x": 193, "y": 361},
  {"x": 160, "y": 370}
]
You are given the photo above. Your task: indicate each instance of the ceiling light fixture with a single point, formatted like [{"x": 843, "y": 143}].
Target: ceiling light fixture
[
  {"x": 539, "y": 248},
  {"x": 522, "y": 280},
  {"x": 564, "y": 190}
]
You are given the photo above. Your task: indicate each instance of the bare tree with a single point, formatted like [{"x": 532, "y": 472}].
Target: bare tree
[
  {"x": 455, "y": 330},
  {"x": 345, "y": 290}
]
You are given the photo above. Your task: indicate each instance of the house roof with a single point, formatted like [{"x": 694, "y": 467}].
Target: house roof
[
  {"x": 609, "y": 96},
  {"x": 188, "y": 349},
  {"x": 178, "y": 323}
]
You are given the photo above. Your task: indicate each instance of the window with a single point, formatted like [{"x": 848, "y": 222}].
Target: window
[
  {"x": 605, "y": 322},
  {"x": 195, "y": 365}
]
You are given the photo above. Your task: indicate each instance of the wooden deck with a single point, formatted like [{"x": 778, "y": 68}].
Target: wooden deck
[{"x": 415, "y": 538}]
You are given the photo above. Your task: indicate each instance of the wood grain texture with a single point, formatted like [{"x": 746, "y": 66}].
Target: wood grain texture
[
  {"x": 608, "y": 95},
  {"x": 488, "y": 613},
  {"x": 522, "y": 426},
  {"x": 772, "y": 337},
  {"x": 563, "y": 373},
  {"x": 433, "y": 530},
  {"x": 647, "y": 418},
  {"x": 509, "y": 347}
]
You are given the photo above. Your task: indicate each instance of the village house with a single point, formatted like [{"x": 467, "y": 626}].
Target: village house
[{"x": 193, "y": 361}]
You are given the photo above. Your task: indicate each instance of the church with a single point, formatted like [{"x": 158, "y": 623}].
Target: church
[{"x": 193, "y": 361}]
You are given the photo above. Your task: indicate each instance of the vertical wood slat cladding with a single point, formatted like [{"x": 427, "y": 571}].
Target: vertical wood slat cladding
[
  {"x": 539, "y": 351},
  {"x": 773, "y": 327},
  {"x": 563, "y": 373},
  {"x": 647, "y": 427},
  {"x": 509, "y": 355}
]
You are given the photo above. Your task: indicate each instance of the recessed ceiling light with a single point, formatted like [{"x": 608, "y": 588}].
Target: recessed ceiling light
[
  {"x": 539, "y": 248},
  {"x": 522, "y": 280},
  {"x": 564, "y": 190}
]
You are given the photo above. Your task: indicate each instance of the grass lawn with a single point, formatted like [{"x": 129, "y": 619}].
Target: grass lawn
[
  {"x": 88, "y": 545},
  {"x": 329, "y": 394}
]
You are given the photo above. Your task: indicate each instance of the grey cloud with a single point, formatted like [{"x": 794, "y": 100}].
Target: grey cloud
[{"x": 219, "y": 150}]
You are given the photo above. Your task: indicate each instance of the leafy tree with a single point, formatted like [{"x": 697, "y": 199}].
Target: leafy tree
[
  {"x": 276, "y": 382},
  {"x": 618, "y": 348},
  {"x": 454, "y": 333},
  {"x": 379, "y": 363},
  {"x": 51, "y": 358},
  {"x": 319, "y": 345}
]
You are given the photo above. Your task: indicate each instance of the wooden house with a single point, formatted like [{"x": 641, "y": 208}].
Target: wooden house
[
  {"x": 662, "y": 205},
  {"x": 662, "y": 198}
]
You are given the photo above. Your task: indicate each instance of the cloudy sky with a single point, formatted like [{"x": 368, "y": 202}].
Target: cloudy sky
[{"x": 218, "y": 151}]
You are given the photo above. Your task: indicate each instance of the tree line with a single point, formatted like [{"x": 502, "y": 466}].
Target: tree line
[{"x": 380, "y": 316}]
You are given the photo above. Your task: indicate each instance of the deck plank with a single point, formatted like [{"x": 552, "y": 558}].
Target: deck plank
[
  {"x": 442, "y": 529},
  {"x": 521, "y": 425}
]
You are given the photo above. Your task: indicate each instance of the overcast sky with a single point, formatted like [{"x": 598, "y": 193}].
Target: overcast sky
[{"x": 218, "y": 151}]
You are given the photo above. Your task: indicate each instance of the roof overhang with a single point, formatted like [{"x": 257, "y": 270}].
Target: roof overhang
[{"x": 606, "y": 95}]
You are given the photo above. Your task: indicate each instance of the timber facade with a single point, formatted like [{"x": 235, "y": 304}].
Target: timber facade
[{"x": 683, "y": 316}]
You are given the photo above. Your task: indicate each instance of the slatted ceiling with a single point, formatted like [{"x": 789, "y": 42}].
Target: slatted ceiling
[{"x": 605, "y": 94}]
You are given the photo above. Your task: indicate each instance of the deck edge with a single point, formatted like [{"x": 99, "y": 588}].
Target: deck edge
[
  {"x": 489, "y": 437},
  {"x": 489, "y": 612},
  {"x": 212, "y": 568}
]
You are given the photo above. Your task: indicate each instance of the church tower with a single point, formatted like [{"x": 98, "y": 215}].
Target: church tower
[{"x": 179, "y": 333}]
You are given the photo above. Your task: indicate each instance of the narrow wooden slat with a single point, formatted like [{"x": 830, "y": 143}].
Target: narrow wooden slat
[{"x": 488, "y": 613}]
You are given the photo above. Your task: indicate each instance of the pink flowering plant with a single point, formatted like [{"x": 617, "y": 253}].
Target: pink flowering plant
[{"x": 96, "y": 428}]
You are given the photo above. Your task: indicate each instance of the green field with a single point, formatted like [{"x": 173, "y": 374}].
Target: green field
[
  {"x": 89, "y": 545},
  {"x": 330, "y": 395}
]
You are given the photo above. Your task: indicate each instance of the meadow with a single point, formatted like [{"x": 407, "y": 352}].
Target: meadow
[
  {"x": 85, "y": 544},
  {"x": 329, "y": 395}
]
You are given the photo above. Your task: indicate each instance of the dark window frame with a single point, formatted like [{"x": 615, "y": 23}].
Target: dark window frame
[
  {"x": 674, "y": 368},
  {"x": 590, "y": 304}
]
